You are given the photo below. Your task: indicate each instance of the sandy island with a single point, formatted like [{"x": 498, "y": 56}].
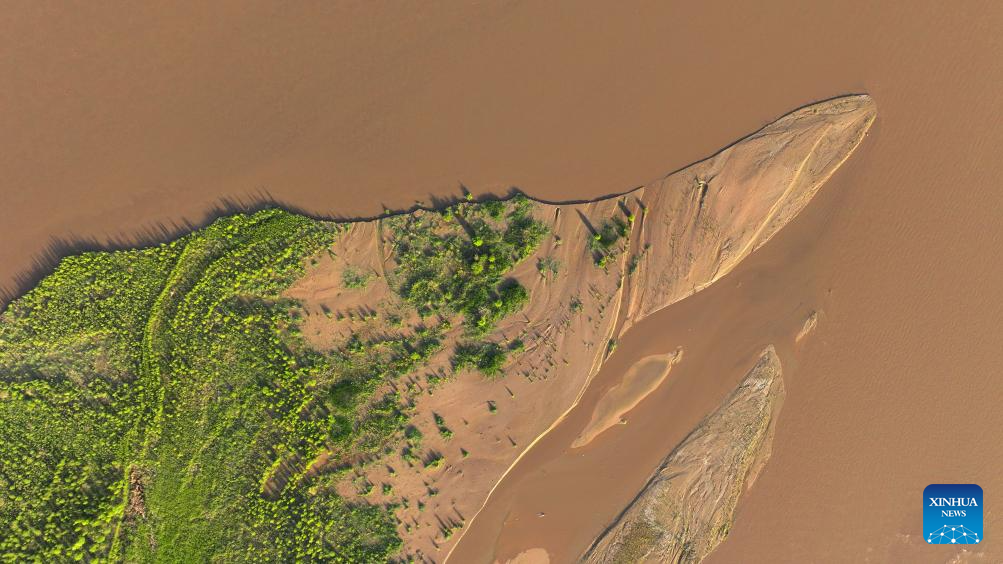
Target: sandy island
[{"x": 679, "y": 235}]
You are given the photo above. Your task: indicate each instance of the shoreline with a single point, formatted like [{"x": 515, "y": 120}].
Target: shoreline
[{"x": 166, "y": 230}]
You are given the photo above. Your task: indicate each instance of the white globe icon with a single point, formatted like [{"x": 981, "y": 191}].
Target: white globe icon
[{"x": 958, "y": 534}]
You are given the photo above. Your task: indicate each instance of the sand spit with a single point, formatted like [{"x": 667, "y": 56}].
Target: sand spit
[
  {"x": 673, "y": 238},
  {"x": 713, "y": 214},
  {"x": 642, "y": 379},
  {"x": 687, "y": 507}
]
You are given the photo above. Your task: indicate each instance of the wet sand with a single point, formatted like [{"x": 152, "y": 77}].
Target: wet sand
[
  {"x": 687, "y": 507},
  {"x": 119, "y": 123},
  {"x": 644, "y": 377},
  {"x": 722, "y": 331}
]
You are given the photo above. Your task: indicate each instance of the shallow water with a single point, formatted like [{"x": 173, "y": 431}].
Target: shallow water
[
  {"x": 122, "y": 124},
  {"x": 642, "y": 378}
]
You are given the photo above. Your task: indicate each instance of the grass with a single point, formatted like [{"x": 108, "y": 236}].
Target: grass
[
  {"x": 161, "y": 404},
  {"x": 182, "y": 364},
  {"x": 354, "y": 278}
]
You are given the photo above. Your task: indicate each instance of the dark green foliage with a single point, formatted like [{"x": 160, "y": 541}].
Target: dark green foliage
[
  {"x": 548, "y": 266},
  {"x": 487, "y": 357},
  {"x": 604, "y": 243},
  {"x": 454, "y": 262},
  {"x": 494, "y": 208}
]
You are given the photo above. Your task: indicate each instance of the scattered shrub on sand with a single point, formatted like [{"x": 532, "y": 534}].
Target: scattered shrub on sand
[
  {"x": 354, "y": 278},
  {"x": 455, "y": 262},
  {"x": 434, "y": 460},
  {"x": 440, "y": 424},
  {"x": 605, "y": 243},
  {"x": 548, "y": 266},
  {"x": 636, "y": 258}
]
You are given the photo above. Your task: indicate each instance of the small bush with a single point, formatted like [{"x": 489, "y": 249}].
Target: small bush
[
  {"x": 488, "y": 358},
  {"x": 355, "y": 279},
  {"x": 604, "y": 243},
  {"x": 548, "y": 266}
]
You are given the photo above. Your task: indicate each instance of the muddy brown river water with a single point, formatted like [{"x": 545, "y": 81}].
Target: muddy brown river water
[{"x": 120, "y": 123}]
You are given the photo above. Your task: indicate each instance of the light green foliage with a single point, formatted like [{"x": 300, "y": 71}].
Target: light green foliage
[
  {"x": 161, "y": 405},
  {"x": 181, "y": 364}
]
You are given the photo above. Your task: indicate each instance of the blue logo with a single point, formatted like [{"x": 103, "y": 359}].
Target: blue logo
[{"x": 952, "y": 514}]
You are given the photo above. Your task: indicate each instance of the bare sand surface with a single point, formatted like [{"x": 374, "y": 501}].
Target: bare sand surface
[
  {"x": 579, "y": 492},
  {"x": 122, "y": 122},
  {"x": 679, "y": 234}
]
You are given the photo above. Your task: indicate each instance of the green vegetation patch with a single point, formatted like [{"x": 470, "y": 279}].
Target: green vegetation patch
[
  {"x": 354, "y": 278},
  {"x": 161, "y": 405},
  {"x": 605, "y": 243},
  {"x": 457, "y": 261}
]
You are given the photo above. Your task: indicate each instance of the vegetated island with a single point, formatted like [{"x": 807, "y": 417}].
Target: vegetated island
[{"x": 274, "y": 387}]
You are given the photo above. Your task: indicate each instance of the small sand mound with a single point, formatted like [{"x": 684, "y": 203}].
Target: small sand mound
[
  {"x": 641, "y": 379},
  {"x": 808, "y": 328},
  {"x": 531, "y": 556}
]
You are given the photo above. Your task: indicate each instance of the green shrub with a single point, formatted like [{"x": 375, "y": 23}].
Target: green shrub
[
  {"x": 354, "y": 278},
  {"x": 548, "y": 266},
  {"x": 604, "y": 243},
  {"x": 487, "y": 357}
]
